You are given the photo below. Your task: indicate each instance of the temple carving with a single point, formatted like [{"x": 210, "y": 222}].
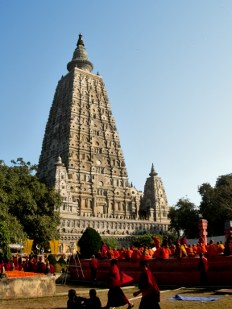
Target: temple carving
[{"x": 82, "y": 158}]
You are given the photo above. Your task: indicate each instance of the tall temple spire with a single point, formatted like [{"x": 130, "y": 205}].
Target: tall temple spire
[{"x": 80, "y": 57}]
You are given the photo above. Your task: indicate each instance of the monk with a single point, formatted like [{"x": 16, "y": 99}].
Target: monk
[
  {"x": 116, "y": 297},
  {"x": 136, "y": 255},
  {"x": 149, "y": 289},
  {"x": 93, "y": 264},
  {"x": 212, "y": 249},
  {"x": 221, "y": 247},
  {"x": 145, "y": 254},
  {"x": 201, "y": 248},
  {"x": 203, "y": 267}
]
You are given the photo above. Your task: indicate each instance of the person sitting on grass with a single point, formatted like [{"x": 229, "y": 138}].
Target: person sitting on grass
[
  {"x": 94, "y": 301},
  {"x": 74, "y": 301}
]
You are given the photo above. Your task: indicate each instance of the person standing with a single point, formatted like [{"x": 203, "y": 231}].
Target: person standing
[
  {"x": 93, "y": 264},
  {"x": 116, "y": 297},
  {"x": 149, "y": 288},
  {"x": 203, "y": 267}
]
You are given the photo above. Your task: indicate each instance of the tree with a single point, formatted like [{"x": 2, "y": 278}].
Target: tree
[
  {"x": 29, "y": 203},
  {"x": 216, "y": 204},
  {"x": 184, "y": 216},
  {"x": 89, "y": 243}
]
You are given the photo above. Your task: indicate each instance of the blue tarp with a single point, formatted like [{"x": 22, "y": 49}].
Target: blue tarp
[{"x": 194, "y": 298}]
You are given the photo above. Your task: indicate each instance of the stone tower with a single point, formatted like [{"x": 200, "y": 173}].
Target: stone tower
[
  {"x": 82, "y": 157},
  {"x": 154, "y": 204}
]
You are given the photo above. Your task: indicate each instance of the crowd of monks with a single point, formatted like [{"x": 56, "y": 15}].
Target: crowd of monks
[
  {"x": 179, "y": 250},
  {"x": 28, "y": 264}
]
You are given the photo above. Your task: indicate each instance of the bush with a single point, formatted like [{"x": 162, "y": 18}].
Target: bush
[
  {"x": 89, "y": 243},
  {"x": 143, "y": 241}
]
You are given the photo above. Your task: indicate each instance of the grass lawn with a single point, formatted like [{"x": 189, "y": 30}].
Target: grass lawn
[{"x": 60, "y": 299}]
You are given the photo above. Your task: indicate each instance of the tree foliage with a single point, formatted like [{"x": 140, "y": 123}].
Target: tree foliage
[
  {"x": 184, "y": 216},
  {"x": 27, "y": 204},
  {"x": 143, "y": 241},
  {"x": 89, "y": 243},
  {"x": 216, "y": 204},
  {"x": 4, "y": 241},
  {"x": 111, "y": 242}
]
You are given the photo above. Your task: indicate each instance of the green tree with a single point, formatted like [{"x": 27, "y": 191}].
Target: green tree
[
  {"x": 89, "y": 243},
  {"x": 30, "y": 204},
  {"x": 184, "y": 216},
  {"x": 4, "y": 241},
  {"x": 216, "y": 204}
]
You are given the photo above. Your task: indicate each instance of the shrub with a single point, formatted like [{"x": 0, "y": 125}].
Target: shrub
[
  {"x": 142, "y": 241},
  {"x": 89, "y": 243}
]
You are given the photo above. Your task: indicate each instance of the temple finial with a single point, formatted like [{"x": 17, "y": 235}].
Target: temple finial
[
  {"x": 153, "y": 172},
  {"x": 80, "y": 40},
  {"x": 80, "y": 58}
]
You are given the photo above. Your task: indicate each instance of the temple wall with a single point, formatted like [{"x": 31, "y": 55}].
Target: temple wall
[{"x": 71, "y": 229}]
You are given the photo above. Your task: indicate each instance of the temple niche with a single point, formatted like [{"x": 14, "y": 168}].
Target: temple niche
[{"x": 82, "y": 158}]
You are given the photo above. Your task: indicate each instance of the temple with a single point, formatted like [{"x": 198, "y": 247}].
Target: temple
[{"x": 82, "y": 158}]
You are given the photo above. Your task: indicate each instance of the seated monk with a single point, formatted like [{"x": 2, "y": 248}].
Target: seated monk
[
  {"x": 201, "y": 248},
  {"x": 129, "y": 254},
  {"x": 145, "y": 255},
  {"x": 212, "y": 249},
  {"x": 158, "y": 253},
  {"x": 221, "y": 247},
  {"x": 165, "y": 251},
  {"x": 190, "y": 251},
  {"x": 136, "y": 255}
]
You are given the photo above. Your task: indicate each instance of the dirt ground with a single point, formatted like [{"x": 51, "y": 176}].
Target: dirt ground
[{"x": 59, "y": 301}]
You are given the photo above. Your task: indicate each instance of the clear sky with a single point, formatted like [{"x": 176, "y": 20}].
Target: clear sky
[{"x": 168, "y": 72}]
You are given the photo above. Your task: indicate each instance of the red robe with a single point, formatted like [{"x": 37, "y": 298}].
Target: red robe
[
  {"x": 150, "y": 290},
  {"x": 116, "y": 297}
]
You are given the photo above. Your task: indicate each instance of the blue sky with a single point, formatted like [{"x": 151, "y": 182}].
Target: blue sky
[{"x": 168, "y": 72}]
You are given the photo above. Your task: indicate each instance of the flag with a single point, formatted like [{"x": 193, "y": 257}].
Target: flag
[
  {"x": 27, "y": 246},
  {"x": 54, "y": 246}
]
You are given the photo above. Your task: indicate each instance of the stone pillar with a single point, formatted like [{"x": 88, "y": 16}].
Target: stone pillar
[
  {"x": 202, "y": 225},
  {"x": 151, "y": 217}
]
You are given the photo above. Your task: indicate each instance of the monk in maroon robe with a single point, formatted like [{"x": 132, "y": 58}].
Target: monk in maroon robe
[
  {"x": 116, "y": 297},
  {"x": 149, "y": 289}
]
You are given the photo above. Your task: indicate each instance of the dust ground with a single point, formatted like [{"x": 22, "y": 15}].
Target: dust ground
[{"x": 59, "y": 301}]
